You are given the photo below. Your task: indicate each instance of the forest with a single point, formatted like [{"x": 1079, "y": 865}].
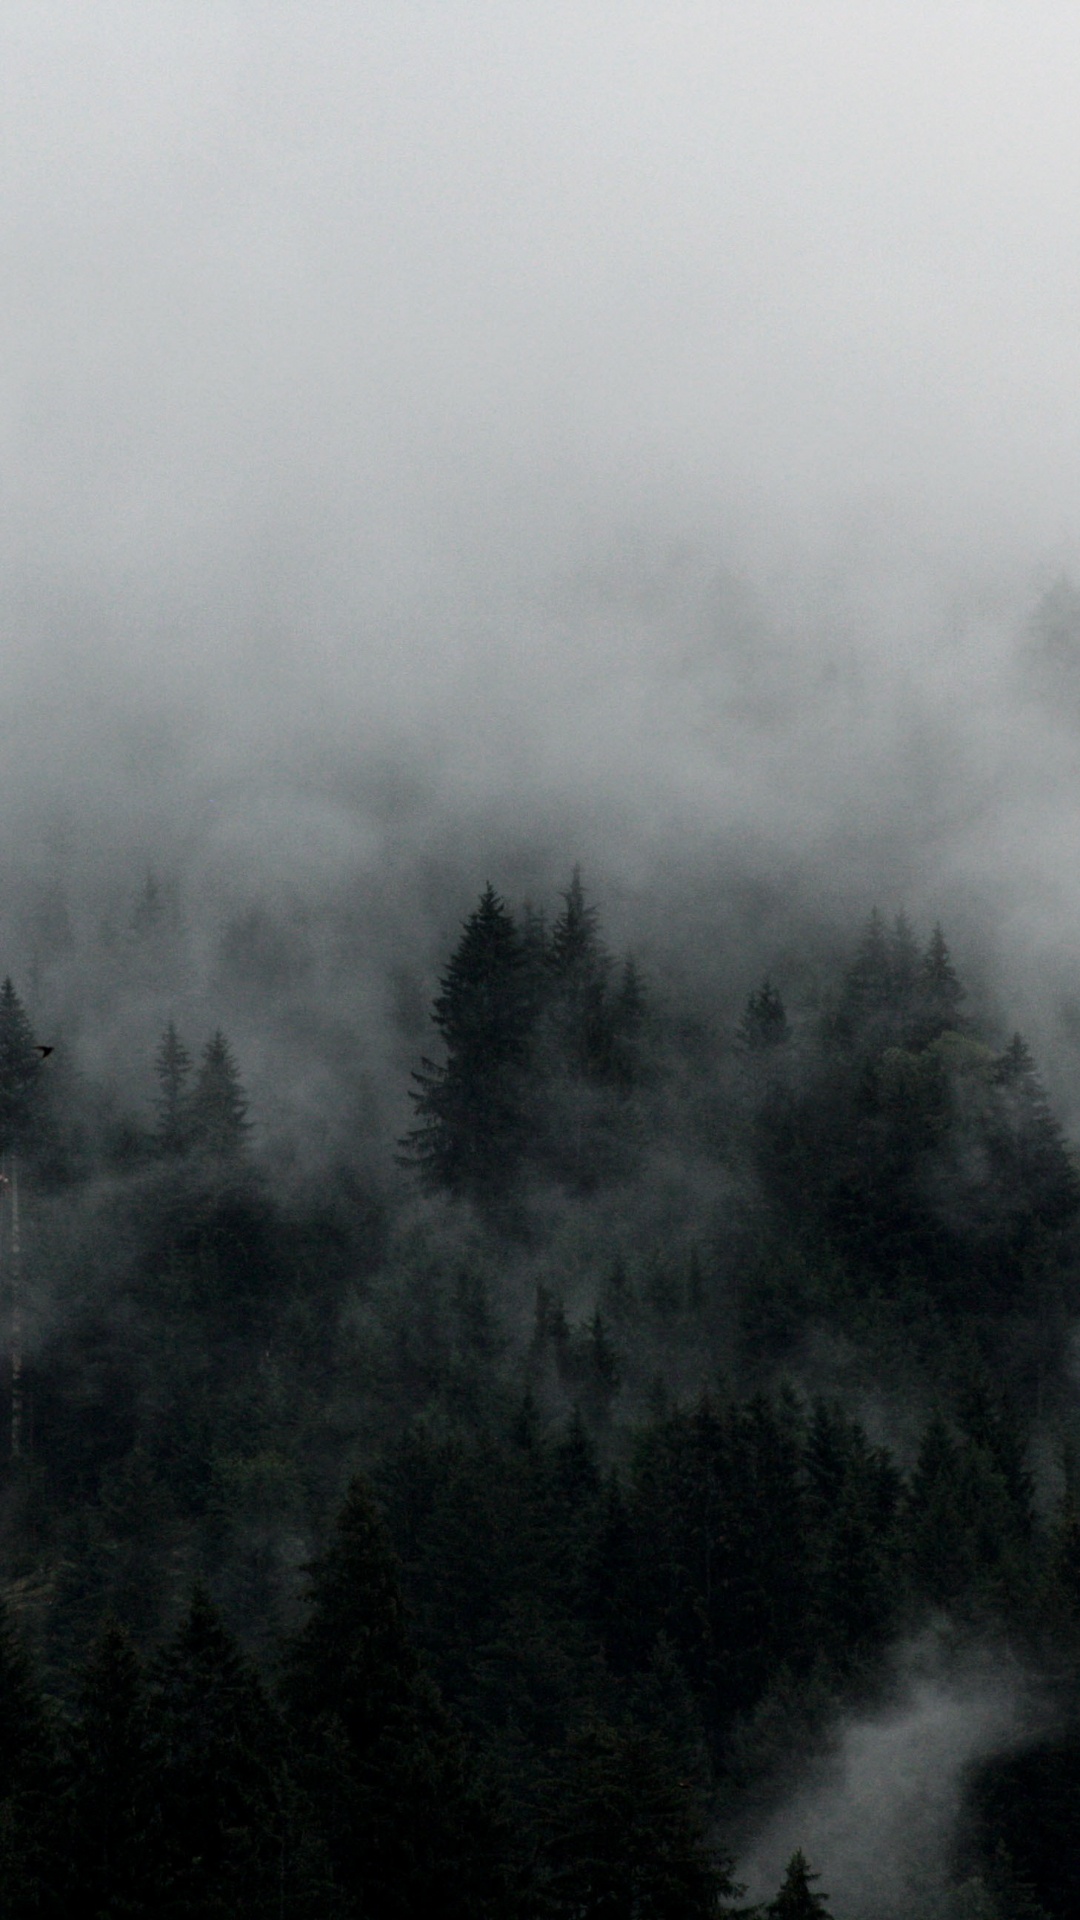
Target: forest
[{"x": 506, "y": 1526}]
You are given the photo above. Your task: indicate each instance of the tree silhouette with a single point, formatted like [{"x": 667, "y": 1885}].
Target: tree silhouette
[
  {"x": 218, "y": 1110},
  {"x": 172, "y": 1068},
  {"x": 471, "y": 1109},
  {"x": 20, "y": 1070}
]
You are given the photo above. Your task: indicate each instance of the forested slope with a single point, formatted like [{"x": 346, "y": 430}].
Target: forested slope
[{"x": 508, "y": 1531}]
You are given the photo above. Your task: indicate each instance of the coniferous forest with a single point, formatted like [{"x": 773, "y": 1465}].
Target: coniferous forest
[{"x": 507, "y": 1526}]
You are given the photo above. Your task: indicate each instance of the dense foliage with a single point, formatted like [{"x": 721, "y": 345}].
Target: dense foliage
[{"x": 502, "y": 1536}]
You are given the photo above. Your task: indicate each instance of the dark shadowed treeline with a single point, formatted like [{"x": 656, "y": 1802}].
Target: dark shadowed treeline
[{"x": 689, "y": 1367}]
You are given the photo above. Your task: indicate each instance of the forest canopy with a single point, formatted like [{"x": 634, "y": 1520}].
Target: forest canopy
[{"x": 490, "y": 1537}]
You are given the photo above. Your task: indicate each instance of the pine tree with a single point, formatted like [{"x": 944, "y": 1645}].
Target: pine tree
[
  {"x": 20, "y": 1070},
  {"x": 903, "y": 961},
  {"x": 1035, "y": 1179},
  {"x": 629, "y": 1014},
  {"x": 110, "y": 1808},
  {"x": 764, "y": 1023},
  {"x": 218, "y": 1111},
  {"x": 218, "y": 1754},
  {"x": 407, "y": 1828},
  {"x": 867, "y": 989},
  {"x": 148, "y": 911},
  {"x": 797, "y": 1899},
  {"x": 580, "y": 969},
  {"x": 172, "y": 1068},
  {"x": 622, "y": 1835},
  {"x": 939, "y": 993},
  {"x": 27, "y": 1783},
  {"x": 472, "y": 1109}
]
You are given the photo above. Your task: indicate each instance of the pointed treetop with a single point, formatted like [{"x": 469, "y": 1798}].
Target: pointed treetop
[
  {"x": 218, "y": 1110},
  {"x": 868, "y": 984},
  {"x": 172, "y": 1066},
  {"x": 764, "y": 1023},
  {"x": 575, "y": 942},
  {"x": 797, "y": 1899},
  {"x": 937, "y": 974},
  {"x": 903, "y": 957},
  {"x": 1015, "y": 1067}
]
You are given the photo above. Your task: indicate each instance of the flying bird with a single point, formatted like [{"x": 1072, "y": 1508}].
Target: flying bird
[{"x": 44, "y": 1051}]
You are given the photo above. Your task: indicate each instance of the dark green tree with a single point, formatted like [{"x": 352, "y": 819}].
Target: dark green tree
[
  {"x": 939, "y": 993},
  {"x": 219, "y": 1125},
  {"x": 109, "y": 1809},
  {"x": 27, "y": 1784},
  {"x": 172, "y": 1069},
  {"x": 408, "y": 1830},
  {"x": 867, "y": 988},
  {"x": 623, "y": 1835},
  {"x": 797, "y": 1899},
  {"x": 1034, "y": 1175},
  {"x": 472, "y": 1109},
  {"x": 217, "y": 1749},
  {"x": 764, "y": 1023},
  {"x": 20, "y": 1071}
]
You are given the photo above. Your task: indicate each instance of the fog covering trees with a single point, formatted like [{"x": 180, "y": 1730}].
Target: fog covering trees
[{"x": 484, "y": 1528}]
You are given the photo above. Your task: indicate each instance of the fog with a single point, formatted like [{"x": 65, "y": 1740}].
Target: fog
[
  {"x": 448, "y": 443},
  {"x": 880, "y": 1819}
]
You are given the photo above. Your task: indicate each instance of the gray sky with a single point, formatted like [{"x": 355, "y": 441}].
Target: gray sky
[{"x": 557, "y": 395}]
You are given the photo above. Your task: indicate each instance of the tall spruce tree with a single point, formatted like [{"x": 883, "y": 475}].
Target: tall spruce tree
[
  {"x": 939, "y": 993},
  {"x": 797, "y": 1899},
  {"x": 622, "y": 1835},
  {"x": 109, "y": 1809},
  {"x": 20, "y": 1071},
  {"x": 172, "y": 1069},
  {"x": 408, "y": 1831},
  {"x": 218, "y": 1757},
  {"x": 1036, "y": 1184},
  {"x": 472, "y": 1108},
  {"x": 27, "y": 1784},
  {"x": 764, "y": 1023},
  {"x": 580, "y": 971},
  {"x": 218, "y": 1120}
]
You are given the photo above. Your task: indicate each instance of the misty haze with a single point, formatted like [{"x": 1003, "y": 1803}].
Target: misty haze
[{"x": 540, "y": 961}]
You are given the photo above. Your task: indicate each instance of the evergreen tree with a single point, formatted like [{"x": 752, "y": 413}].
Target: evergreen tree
[
  {"x": 218, "y": 1753},
  {"x": 218, "y": 1111},
  {"x": 407, "y": 1828},
  {"x": 580, "y": 969},
  {"x": 27, "y": 1783},
  {"x": 472, "y": 1109},
  {"x": 20, "y": 1069},
  {"x": 623, "y": 1836},
  {"x": 939, "y": 993},
  {"x": 148, "y": 910},
  {"x": 628, "y": 1017},
  {"x": 172, "y": 1068},
  {"x": 797, "y": 1899},
  {"x": 1036, "y": 1187},
  {"x": 764, "y": 1023},
  {"x": 867, "y": 989},
  {"x": 110, "y": 1808},
  {"x": 903, "y": 961}
]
